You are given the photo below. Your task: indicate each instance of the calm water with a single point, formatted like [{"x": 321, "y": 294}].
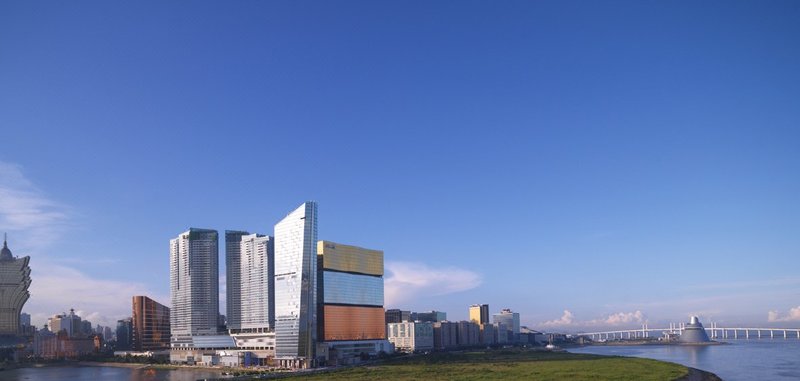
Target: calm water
[
  {"x": 740, "y": 360},
  {"x": 91, "y": 373}
]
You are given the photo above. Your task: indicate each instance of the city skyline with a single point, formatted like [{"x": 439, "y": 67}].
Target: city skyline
[{"x": 581, "y": 166}]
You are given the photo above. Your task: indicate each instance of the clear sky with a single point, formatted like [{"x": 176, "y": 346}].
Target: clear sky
[{"x": 584, "y": 163}]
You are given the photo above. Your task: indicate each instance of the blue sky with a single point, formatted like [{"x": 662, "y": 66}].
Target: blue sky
[{"x": 583, "y": 163}]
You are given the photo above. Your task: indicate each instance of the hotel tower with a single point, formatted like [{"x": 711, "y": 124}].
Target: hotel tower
[{"x": 295, "y": 287}]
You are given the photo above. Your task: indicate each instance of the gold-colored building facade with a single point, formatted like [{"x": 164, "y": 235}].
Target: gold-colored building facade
[
  {"x": 479, "y": 313},
  {"x": 352, "y": 259}
]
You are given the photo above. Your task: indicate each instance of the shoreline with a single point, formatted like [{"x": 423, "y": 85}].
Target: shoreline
[
  {"x": 153, "y": 366},
  {"x": 693, "y": 374}
]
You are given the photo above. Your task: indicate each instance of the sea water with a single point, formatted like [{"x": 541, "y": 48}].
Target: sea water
[
  {"x": 764, "y": 359},
  {"x": 102, "y": 373}
]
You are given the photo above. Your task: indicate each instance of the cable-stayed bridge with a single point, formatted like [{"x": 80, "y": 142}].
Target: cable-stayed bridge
[{"x": 714, "y": 332}]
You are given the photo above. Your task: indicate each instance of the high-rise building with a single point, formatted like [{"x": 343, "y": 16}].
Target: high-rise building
[
  {"x": 257, "y": 274},
  {"x": 296, "y": 287},
  {"x": 124, "y": 334},
  {"x": 509, "y": 319},
  {"x": 233, "y": 278},
  {"x": 397, "y": 316},
  {"x": 479, "y": 313},
  {"x": 351, "y": 293},
  {"x": 15, "y": 278},
  {"x": 194, "y": 285},
  {"x": 150, "y": 324}
]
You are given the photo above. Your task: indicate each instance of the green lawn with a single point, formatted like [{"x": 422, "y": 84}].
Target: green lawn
[{"x": 510, "y": 365}]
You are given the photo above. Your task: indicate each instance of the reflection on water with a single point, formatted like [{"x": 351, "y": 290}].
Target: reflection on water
[
  {"x": 740, "y": 360},
  {"x": 76, "y": 373}
]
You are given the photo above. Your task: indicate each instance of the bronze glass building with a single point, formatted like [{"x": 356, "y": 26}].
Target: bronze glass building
[
  {"x": 350, "y": 292},
  {"x": 150, "y": 325}
]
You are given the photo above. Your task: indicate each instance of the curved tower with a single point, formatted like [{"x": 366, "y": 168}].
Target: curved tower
[
  {"x": 15, "y": 278},
  {"x": 694, "y": 332}
]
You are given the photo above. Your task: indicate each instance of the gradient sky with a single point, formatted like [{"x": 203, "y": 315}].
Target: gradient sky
[{"x": 584, "y": 163}]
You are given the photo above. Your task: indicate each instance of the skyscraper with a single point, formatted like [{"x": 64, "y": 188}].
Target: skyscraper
[
  {"x": 479, "y": 313},
  {"x": 150, "y": 324},
  {"x": 15, "y": 278},
  {"x": 194, "y": 285},
  {"x": 296, "y": 287},
  {"x": 233, "y": 278},
  {"x": 257, "y": 270}
]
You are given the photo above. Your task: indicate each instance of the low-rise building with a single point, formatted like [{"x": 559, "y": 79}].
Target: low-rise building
[
  {"x": 49, "y": 345},
  {"x": 351, "y": 352},
  {"x": 411, "y": 336}
]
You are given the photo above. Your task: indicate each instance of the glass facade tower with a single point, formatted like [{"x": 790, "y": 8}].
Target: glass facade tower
[
  {"x": 296, "y": 286},
  {"x": 194, "y": 285}
]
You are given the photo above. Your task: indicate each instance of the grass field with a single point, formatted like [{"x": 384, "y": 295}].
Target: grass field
[{"x": 509, "y": 365}]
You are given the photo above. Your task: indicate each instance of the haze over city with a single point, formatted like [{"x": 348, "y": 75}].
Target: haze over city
[{"x": 583, "y": 166}]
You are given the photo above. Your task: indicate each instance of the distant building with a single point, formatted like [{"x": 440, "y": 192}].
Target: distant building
[
  {"x": 296, "y": 287},
  {"x": 15, "y": 278},
  {"x": 468, "y": 333},
  {"x": 445, "y": 335},
  {"x": 86, "y": 328},
  {"x": 511, "y": 320},
  {"x": 479, "y": 313},
  {"x": 530, "y": 336},
  {"x": 397, "y": 316},
  {"x": 69, "y": 323},
  {"x": 429, "y": 316},
  {"x": 25, "y": 324},
  {"x": 49, "y": 345},
  {"x": 488, "y": 334},
  {"x": 411, "y": 336},
  {"x": 194, "y": 288},
  {"x": 108, "y": 334},
  {"x": 503, "y": 334},
  {"x": 124, "y": 335},
  {"x": 150, "y": 328},
  {"x": 233, "y": 278}
]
